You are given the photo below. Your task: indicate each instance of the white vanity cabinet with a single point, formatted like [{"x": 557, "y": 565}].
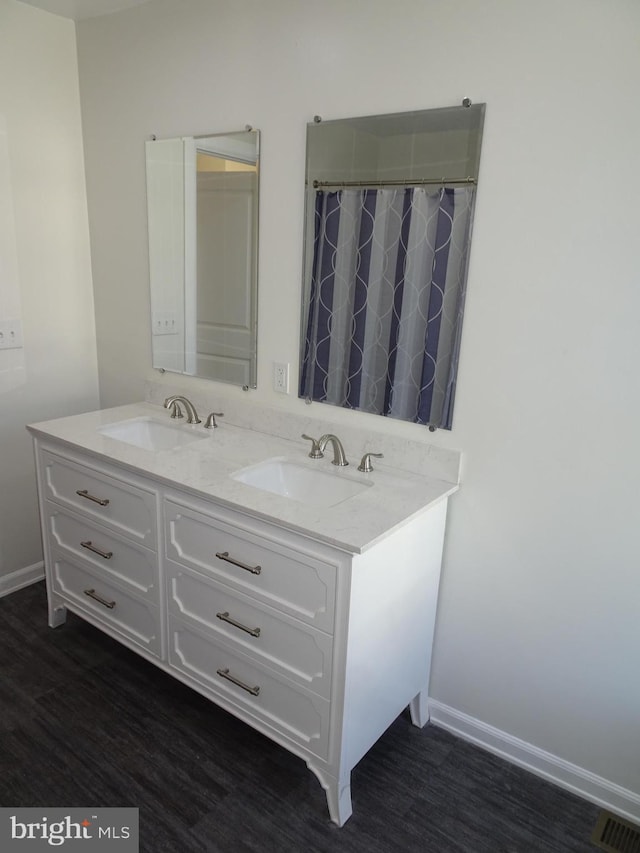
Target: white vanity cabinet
[{"x": 318, "y": 648}]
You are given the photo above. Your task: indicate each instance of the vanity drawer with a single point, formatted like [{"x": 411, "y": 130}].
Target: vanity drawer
[
  {"x": 301, "y": 717},
  {"x": 110, "y": 554},
  {"x": 125, "y": 508},
  {"x": 290, "y": 647},
  {"x": 107, "y": 604},
  {"x": 291, "y": 581}
]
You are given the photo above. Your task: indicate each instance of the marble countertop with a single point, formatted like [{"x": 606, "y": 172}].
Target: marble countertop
[{"x": 204, "y": 468}]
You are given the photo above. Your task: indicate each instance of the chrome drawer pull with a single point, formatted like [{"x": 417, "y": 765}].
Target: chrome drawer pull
[
  {"x": 93, "y": 594},
  {"x": 224, "y": 555},
  {"x": 85, "y": 494},
  {"x": 224, "y": 673},
  {"x": 106, "y": 554},
  {"x": 255, "y": 632}
]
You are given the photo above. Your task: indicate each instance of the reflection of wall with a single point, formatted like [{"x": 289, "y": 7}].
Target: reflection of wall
[
  {"x": 12, "y": 366},
  {"x": 350, "y": 154},
  {"x": 443, "y": 154},
  {"x": 40, "y": 101},
  {"x": 166, "y": 221},
  {"x": 343, "y": 153},
  {"x": 547, "y": 404}
]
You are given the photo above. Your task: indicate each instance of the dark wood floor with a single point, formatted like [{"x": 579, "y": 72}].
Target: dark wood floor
[{"x": 84, "y": 722}]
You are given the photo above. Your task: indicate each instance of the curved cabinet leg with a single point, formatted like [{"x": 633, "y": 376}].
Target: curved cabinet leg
[
  {"x": 418, "y": 708},
  {"x": 339, "y": 800},
  {"x": 338, "y": 793}
]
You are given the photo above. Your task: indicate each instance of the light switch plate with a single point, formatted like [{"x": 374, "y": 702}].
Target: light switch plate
[{"x": 164, "y": 323}]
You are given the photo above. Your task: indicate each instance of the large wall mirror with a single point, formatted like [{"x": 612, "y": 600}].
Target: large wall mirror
[
  {"x": 202, "y": 197},
  {"x": 388, "y": 216}
]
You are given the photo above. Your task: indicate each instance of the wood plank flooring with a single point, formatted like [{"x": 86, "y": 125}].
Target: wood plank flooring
[{"x": 85, "y": 722}]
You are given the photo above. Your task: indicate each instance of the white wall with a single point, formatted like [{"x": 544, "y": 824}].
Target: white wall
[
  {"x": 538, "y": 632},
  {"x": 39, "y": 99}
]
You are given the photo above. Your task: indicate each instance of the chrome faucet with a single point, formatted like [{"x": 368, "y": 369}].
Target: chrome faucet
[
  {"x": 338, "y": 450},
  {"x": 192, "y": 415}
]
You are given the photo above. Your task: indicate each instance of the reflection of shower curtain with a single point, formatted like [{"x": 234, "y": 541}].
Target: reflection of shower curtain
[{"x": 384, "y": 312}]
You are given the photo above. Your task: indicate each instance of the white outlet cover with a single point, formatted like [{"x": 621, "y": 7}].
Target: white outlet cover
[{"x": 281, "y": 377}]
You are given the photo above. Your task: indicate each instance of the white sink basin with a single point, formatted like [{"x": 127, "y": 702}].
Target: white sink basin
[
  {"x": 302, "y": 483},
  {"x": 150, "y": 434}
]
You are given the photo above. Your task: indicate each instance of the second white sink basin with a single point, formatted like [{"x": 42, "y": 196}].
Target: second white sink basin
[
  {"x": 150, "y": 434},
  {"x": 301, "y": 483}
]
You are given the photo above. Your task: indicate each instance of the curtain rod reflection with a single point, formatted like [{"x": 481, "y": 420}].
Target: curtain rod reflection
[{"x": 412, "y": 182}]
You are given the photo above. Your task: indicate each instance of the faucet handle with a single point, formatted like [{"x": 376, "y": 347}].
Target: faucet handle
[
  {"x": 210, "y": 423},
  {"x": 365, "y": 463},
  {"x": 315, "y": 452},
  {"x": 174, "y": 410}
]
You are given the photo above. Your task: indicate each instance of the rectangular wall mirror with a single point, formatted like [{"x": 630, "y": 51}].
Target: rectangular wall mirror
[
  {"x": 202, "y": 201},
  {"x": 388, "y": 216}
]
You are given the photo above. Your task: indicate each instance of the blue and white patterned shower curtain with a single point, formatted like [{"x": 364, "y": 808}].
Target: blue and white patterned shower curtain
[{"x": 384, "y": 310}]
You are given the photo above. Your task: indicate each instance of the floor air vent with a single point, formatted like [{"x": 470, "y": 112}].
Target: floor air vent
[{"x": 616, "y": 835}]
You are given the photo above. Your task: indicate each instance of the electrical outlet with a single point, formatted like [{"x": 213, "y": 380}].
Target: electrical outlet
[
  {"x": 10, "y": 334},
  {"x": 281, "y": 377}
]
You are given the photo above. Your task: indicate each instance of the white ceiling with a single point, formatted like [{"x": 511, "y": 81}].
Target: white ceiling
[{"x": 80, "y": 9}]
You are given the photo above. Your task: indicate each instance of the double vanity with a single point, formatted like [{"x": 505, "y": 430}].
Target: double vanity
[{"x": 296, "y": 594}]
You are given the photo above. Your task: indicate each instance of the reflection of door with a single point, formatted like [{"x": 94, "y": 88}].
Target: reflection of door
[{"x": 225, "y": 211}]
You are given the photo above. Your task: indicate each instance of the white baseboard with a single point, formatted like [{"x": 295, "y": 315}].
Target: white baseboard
[
  {"x": 576, "y": 779},
  {"x": 23, "y": 577}
]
